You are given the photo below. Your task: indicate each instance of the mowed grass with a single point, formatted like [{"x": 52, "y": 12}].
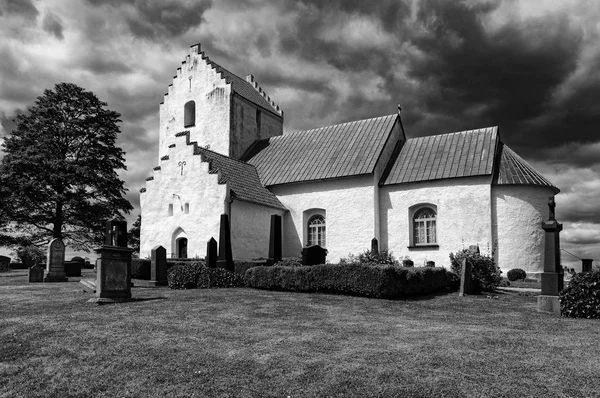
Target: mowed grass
[{"x": 252, "y": 343}]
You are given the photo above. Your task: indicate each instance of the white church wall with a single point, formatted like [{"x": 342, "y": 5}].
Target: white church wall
[
  {"x": 177, "y": 184},
  {"x": 519, "y": 211},
  {"x": 348, "y": 203},
  {"x": 250, "y": 230},
  {"x": 196, "y": 81},
  {"x": 463, "y": 217},
  {"x": 247, "y": 119}
]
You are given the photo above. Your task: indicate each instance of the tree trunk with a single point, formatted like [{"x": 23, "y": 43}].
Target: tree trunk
[{"x": 58, "y": 217}]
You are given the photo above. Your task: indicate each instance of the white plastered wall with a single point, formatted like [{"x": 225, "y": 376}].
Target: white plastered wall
[
  {"x": 206, "y": 198},
  {"x": 212, "y": 96},
  {"x": 348, "y": 203},
  {"x": 463, "y": 217},
  {"x": 250, "y": 230},
  {"x": 519, "y": 211}
]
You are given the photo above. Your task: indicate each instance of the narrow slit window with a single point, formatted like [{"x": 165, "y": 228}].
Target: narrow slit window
[
  {"x": 170, "y": 209},
  {"x": 186, "y": 208}
]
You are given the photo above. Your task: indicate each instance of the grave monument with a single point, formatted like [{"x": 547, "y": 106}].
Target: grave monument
[
  {"x": 158, "y": 266},
  {"x": 55, "y": 262},
  {"x": 552, "y": 277}
]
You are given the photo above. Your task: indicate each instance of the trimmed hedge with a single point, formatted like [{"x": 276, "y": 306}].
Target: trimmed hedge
[
  {"x": 581, "y": 299},
  {"x": 515, "y": 274},
  {"x": 242, "y": 266},
  {"x": 196, "y": 275},
  {"x": 380, "y": 281}
]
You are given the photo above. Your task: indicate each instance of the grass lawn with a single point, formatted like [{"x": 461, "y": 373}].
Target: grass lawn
[{"x": 252, "y": 343}]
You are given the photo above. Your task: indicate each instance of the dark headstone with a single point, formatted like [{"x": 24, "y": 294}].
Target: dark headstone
[
  {"x": 275, "y": 241},
  {"x": 55, "y": 262},
  {"x": 474, "y": 249},
  {"x": 466, "y": 279},
  {"x": 73, "y": 268},
  {"x": 36, "y": 274},
  {"x": 158, "y": 266},
  {"x": 225, "y": 255},
  {"x": 211, "y": 253},
  {"x": 116, "y": 233},
  {"x": 553, "y": 275},
  {"x": 374, "y": 247},
  {"x": 313, "y": 255},
  {"x": 586, "y": 265},
  {"x": 113, "y": 276},
  {"x": 4, "y": 264},
  {"x": 430, "y": 264}
]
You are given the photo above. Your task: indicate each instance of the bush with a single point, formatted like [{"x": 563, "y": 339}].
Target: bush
[
  {"x": 289, "y": 262},
  {"x": 453, "y": 281},
  {"x": 515, "y": 274},
  {"x": 581, "y": 298},
  {"x": 30, "y": 255},
  {"x": 381, "y": 281},
  {"x": 368, "y": 257},
  {"x": 192, "y": 275},
  {"x": 485, "y": 273}
]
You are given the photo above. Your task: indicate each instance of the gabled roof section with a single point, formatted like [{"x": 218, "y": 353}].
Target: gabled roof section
[
  {"x": 461, "y": 154},
  {"x": 242, "y": 178},
  {"x": 248, "y": 89},
  {"x": 513, "y": 170},
  {"x": 328, "y": 152}
]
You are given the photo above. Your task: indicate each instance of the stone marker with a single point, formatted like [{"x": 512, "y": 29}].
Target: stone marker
[
  {"x": 586, "y": 265},
  {"x": 158, "y": 266},
  {"x": 466, "y": 279},
  {"x": 374, "y": 247},
  {"x": 116, "y": 233},
  {"x": 55, "y": 262},
  {"x": 474, "y": 249},
  {"x": 313, "y": 255},
  {"x": 36, "y": 274},
  {"x": 225, "y": 255},
  {"x": 275, "y": 242},
  {"x": 4, "y": 264},
  {"x": 211, "y": 253},
  {"x": 552, "y": 277},
  {"x": 73, "y": 268}
]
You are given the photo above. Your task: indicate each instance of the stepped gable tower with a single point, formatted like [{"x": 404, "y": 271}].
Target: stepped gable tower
[{"x": 221, "y": 111}]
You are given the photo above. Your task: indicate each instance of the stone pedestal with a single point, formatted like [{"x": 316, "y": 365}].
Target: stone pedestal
[
  {"x": 113, "y": 279},
  {"x": 552, "y": 277},
  {"x": 275, "y": 241},
  {"x": 466, "y": 279},
  {"x": 55, "y": 262}
]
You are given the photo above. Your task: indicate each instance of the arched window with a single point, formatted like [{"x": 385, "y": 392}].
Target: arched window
[
  {"x": 424, "y": 227},
  {"x": 189, "y": 114},
  {"x": 316, "y": 230}
]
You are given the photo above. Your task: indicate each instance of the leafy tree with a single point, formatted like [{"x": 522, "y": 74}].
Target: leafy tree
[
  {"x": 30, "y": 255},
  {"x": 58, "y": 177},
  {"x": 133, "y": 236}
]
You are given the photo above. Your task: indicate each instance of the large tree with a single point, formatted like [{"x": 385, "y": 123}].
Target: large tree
[{"x": 58, "y": 176}]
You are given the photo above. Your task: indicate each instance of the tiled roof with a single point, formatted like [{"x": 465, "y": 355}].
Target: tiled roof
[
  {"x": 242, "y": 87},
  {"x": 513, "y": 170},
  {"x": 461, "y": 154},
  {"x": 328, "y": 152},
  {"x": 242, "y": 178}
]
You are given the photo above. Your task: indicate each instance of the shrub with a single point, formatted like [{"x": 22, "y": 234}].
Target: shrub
[
  {"x": 289, "y": 262},
  {"x": 515, "y": 274},
  {"x": 368, "y": 257},
  {"x": 453, "y": 281},
  {"x": 381, "y": 281},
  {"x": 192, "y": 275},
  {"x": 30, "y": 255},
  {"x": 485, "y": 273},
  {"x": 581, "y": 298},
  {"x": 242, "y": 266}
]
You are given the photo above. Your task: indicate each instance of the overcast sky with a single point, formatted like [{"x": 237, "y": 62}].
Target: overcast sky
[{"x": 530, "y": 67}]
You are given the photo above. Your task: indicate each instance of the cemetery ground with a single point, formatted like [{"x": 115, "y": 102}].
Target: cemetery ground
[{"x": 244, "y": 342}]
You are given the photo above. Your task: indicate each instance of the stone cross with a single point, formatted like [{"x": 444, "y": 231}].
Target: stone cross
[
  {"x": 55, "y": 262},
  {"x": 116, "y": 233},
  {"x": 552, "y": 206}
]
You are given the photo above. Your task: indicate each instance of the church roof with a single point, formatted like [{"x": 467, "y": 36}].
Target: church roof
[
  {"x": 461, "y": 154},
  {"x": 242, "y": 177},
  {"x": 513, "y": 170},
  {"x": 341, "y": 150},
  {"x": 248, "y": 90}
]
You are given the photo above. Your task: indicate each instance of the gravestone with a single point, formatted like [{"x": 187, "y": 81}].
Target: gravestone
[
  {"x": 466, "y": 279},
  {"x": 158, "y": 266},
  {"x": 55, "y": 262},
  {"x": 113, "y": 276},
  {"x": 552, "y": 277},
  {"x": 275, "y": 242},
  {"x": 73, "y": 268},
  {"x": 586, "y": 265},
  {"x": 375, "y": 247},
  {"x": 36, "y": 274},
  {"x": 474, "y": 249},
  {"x": 313, "y": 255},
  {"x": 4, "y": 264},
  {"x": 430, "y": 264},
  {"x": 211, "y": 253},
  {"x": 225, "y": 255}
]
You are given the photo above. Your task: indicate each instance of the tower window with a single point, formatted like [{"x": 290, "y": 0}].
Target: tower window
[
  {"x": 189, "y": 114},
  {"x": 170, "y": 209}
]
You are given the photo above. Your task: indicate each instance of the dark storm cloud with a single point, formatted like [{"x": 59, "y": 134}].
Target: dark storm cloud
[
  {"x": 157, "y": 19},
  {"x": 134, "y": 105},
  {"x": 52, "y": 24},
  {"x": 100, "y": 63},
  {"x": 23, "y": 8}
]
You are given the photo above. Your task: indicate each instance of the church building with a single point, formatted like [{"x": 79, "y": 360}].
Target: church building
[{"x": 222, "y": 151}]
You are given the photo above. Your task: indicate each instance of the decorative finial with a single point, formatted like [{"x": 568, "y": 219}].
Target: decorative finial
[
  {"x": 399, "y": 109},
  {"x": 551, "y": 206}
]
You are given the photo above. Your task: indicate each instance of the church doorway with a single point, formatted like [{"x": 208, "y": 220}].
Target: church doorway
[{"x": 182, "y": 248}]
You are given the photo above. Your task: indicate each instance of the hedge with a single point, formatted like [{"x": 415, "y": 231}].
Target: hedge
[
  {"x": 140, "y": 268},
  {"x": 195, "y": 274},
  {"x": 581, "y": 298},
  {"x": 380, "y": 281}
]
